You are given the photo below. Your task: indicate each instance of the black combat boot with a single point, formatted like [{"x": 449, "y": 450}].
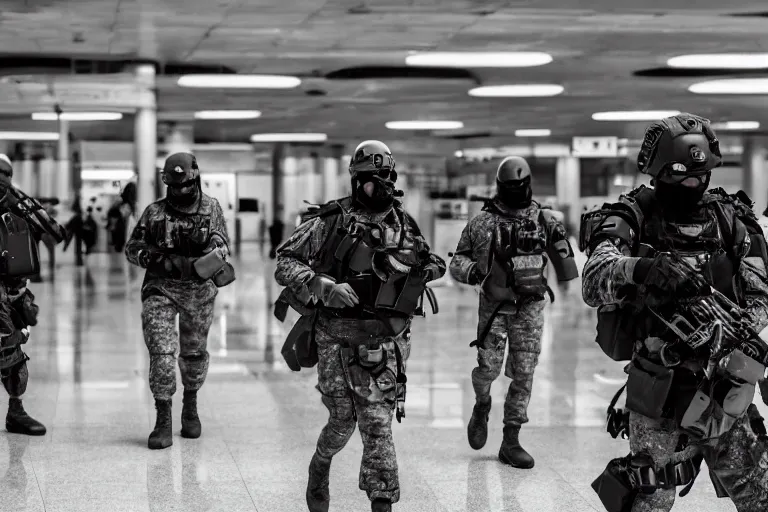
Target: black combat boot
[
  {"x": 477, "y": 430},
  {"x": 381, "y": 505},
  {"x": 511, "y": 452},
  {"x": 190, "y": 423},
  {"x": 318, "y": 495},
  {"x": 161, "y": 437},
  {"x": 17, "y": 421}
]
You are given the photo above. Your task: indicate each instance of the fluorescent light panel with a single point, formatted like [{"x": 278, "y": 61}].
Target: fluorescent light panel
[
  {"x": 634, "y": 115},
  {"x": 517, "y": 91},
  {"x": 240, "y": 81},
  {"x": 732, "y": 86},
  {"x": 736, "y": 125},
  {"x": 107, "y": 174},
  {"x": 478, "y": 59},
  {"x": 77, "y": 116},
  {"x": 424, "y": 125},
  {"x": 29, "y": 136},
  {"x": 227, "y": 114},
  {"x": 720, "y": 61},
  {"x": 289, "y": 137},
  {"x": 533, "y": 133}
]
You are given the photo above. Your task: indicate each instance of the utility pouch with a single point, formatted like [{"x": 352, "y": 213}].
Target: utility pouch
[
  {"x": 371, "y": 353},
  {"x": 614, "y": 487},
  {"x": 528, "y": 274},
  {"x": 739, "y": 366},
  {"x": 300, "y": 348},
  {"x": 208, "y": 265},
  {"x": 697, "y": 416},
  {"x": 616, "y": 332},
  {"x": 224, "y": 276},
  {"x": 648, "y": 387}
]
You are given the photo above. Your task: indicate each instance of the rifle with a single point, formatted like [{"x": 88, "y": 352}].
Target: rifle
[{"x": 718, "y": 324}]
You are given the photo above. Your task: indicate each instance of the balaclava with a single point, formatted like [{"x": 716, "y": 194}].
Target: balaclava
[
  {"x": 679, "y": 153},
  {"x": 513, "y": 182},
  {"x": 372, "y": 169},
  {"x": 182, "y": 176}
]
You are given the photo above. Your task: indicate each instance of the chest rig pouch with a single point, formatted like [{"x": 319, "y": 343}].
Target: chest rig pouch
[
  {"x": 517, "y": 261},
  {"x": 18, "y": 256},
  {"x": 381, "y": 262},
  {"x": 182, "y": 234}
]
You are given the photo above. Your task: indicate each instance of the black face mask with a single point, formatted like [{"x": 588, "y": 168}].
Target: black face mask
[
  {"x": 679, "y": 199},
  {"x": 186, "y": 199},
  {"x": 516, "y": 194},
  {"x": 383, "y": 192},
  {"x": 5, "y": 182}
]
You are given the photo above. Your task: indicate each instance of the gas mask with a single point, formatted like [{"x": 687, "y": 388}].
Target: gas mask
[
  {"x": 373, "y": 174},
  {"x": 513, "y": 182},
  {"x": 182, "y": 177}
]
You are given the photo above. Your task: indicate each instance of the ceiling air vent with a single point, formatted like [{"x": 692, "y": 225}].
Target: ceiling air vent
[
  {"x": 759, "y": 14},
  {"x": 400, "y": 72}
]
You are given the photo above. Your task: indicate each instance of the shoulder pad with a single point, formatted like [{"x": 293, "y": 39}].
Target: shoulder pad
[
  {"x": 324, "y": 210},
  {"x": 620, "y": 221}
]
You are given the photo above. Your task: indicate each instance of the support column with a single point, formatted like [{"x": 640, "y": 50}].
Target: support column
[
  {"x": 755, "y": 169},
  {"x": 278, "y": 224},
  {"x": 47, "y": 177},
  {"x": 330, "y": 178},
  {"x": 145, "y": 141},
  {"x": 64, "y": 190},
  {"x": 23, "y": 170},
  {"x": 318, "y": 168},
  {"x": 343, "y": 186},
  {"x": 568, "y": 187}
]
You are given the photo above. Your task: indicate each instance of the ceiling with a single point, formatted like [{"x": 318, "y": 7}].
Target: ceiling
[{"x": 596, "y": 49}]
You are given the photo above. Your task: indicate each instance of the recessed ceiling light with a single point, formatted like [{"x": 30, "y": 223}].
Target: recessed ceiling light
[
  {"x": 29, "y": 136},
  {"x": 227, "y": 114},
  {"x": 533, "y": 133},
  {"x": 517, "y": 91},
  {"x": 634, "y": 115},
  {"x": 479, "y": 59},
  {"x": 733, "y": 86},
  {"x": 736, "y": 125},
  {"x": 240, "y": 81},
  {"x": 289, "y": 137},
  {"x": 720, "y": 61},
  {"x": 107, "y": 174},
  {"x": 424, "y": 125},
  {"x": 77, "y": 116}
]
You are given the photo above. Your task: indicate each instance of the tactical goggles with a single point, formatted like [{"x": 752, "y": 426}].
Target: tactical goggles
[
  {"x": 385, "y": 174},
  {"x": 677, "y": 173}
]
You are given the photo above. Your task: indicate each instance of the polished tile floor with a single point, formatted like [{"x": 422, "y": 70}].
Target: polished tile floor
[{"x": 260, "y": 420}]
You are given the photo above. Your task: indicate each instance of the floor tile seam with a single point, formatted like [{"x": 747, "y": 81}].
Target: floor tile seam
[
  {"x": 37, "y": 481},
  {"x": 239, "y": 472}
]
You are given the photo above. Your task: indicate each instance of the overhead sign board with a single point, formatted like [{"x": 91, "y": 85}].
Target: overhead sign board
[{"x": 595, "y": 147}]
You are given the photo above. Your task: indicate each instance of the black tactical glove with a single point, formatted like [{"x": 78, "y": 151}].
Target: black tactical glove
[
  {"x": 332, "y": 294},
  {"x": 664, "y": 278}
]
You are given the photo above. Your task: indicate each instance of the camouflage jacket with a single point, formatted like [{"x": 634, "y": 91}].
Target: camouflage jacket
[
  {"x": 475, "y": 244},
  {"x": 299, "y": 257},
  {"x": 162, "y": 231}
]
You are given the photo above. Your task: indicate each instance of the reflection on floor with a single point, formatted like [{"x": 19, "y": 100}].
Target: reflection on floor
[{"x": 260, "y": 421}]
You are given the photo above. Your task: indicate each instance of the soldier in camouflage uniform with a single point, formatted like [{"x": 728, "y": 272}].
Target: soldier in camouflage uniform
[
  {"x": 679, "y": 275},
  {"x": 361, "y": 263},
  {"x": 181, "y": 241},
  {"x": 24, "y": 220},
  {"x": 504, "y": 248}
]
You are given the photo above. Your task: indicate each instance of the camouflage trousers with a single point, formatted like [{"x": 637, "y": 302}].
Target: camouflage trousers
[
  {"x": 738, "y": 460},
  {"x": 15, "y": 379},
  {"x": 522, "y": 332},
  {"x": 158, "y": 318},
  {"x": 355, "y": 394}
]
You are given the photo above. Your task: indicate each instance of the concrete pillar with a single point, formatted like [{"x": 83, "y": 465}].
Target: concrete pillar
[
  {"x": 755, "y": 171},
  {"x": 145, "y": 141},
  {"x": 277, "y": 229},
  {"x": 330, "y": 178},
  {"x": 568, "y": 189},
  {"x": 63, "y": 188},
  {"x": 47, "y": 173},
  {"x": 180, "y": 139},
  {"x": 343, "y": 186},
  {"x": 318, "y": 169},
  {"x": 23, "y": 170}
]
